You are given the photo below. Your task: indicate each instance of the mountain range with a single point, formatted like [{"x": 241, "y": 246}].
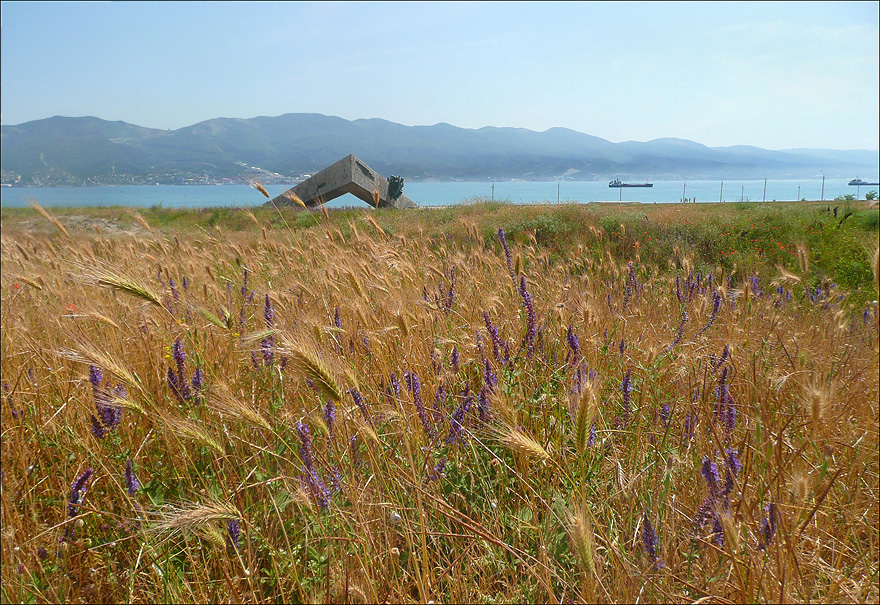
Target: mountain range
[{"x": 64, "y": 150}]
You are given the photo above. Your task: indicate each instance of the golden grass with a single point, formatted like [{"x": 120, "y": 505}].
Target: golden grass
[{"x": 347, "y": 489}]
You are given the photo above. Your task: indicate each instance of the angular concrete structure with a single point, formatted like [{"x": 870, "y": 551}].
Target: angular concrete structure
[{"x": 348, "y": 175}]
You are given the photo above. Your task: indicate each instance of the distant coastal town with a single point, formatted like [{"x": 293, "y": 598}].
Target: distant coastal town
[{"x": 171, "y": 177}]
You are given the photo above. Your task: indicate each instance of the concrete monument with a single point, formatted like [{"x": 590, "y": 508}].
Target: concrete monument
[{"x": 348, "y": 175}]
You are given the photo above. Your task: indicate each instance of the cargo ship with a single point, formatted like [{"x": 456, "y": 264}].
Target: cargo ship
[
  {"x": 861, "y": 183},
  {"x": 617, "y": 183}
]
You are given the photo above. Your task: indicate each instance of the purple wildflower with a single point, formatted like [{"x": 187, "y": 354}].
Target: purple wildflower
[
  {"x": 455, "y": 422},
  {"x": 574, "y": 344},
  {"x": 244, "y": 284},
  {"x": 709, "y": 470},
  {"x": 185, "y": 283},
  {"x": 233, "y": 528},
  {"x": 312, "y": 481},
  {"x": 305, "y": 451},
  {"x": 507, "y": 256},
  {"x": 78, "y": 492},
  {"x": 483, "y": 405},
  {"x": 131, "y": 481},
  {"x": 395, "y": 385},
  {"x": 337, "y": 321},
  {"x": 98, "y": 429},
  {"x": 664, "y": 414},
  {"x": 732, "y": 468},
  {"x": 489, "y": 378},
  {"x": 174, "y": 383},
  {"x": 427, "y": 425},
  {"x": 266, "y": 350},
  {"x": 438, "y": 470},
  {"x": 768, "y": 527},
  {"x": 680, "y": 332},
  {"x": 269, "y": 313},
  {"x": 626, "y": 388},
  {"x": 497, "y": 344},
  {"x": 96, "y": 377},
  {"x": 198, "y": 382},
  {"x": 330, "y": 416},
  {"x": 528, "y": 305},
  {"x": 716, "y": 306},
  {"x": 180, "y": 359},
  {"x": 361, "y": 404},
  {"x": 622, "y": 346},
  {"x": 174, "y": 293},
  {"x": 717, "y": 531},
  {"x": 649, "y": 541},
  {"x": 454, "y": 359},
  {"x": 439, "y": 402},
  {"x": 336, "y": 479}
]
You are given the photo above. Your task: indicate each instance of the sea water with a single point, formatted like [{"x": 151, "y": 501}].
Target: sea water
[{"x": 440, "y": 193}]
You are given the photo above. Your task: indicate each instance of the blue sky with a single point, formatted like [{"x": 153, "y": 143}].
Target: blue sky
[{"x": 773, "y": 75}]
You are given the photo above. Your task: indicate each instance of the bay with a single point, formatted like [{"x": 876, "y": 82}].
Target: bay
[{"x": 439, "y": 193}]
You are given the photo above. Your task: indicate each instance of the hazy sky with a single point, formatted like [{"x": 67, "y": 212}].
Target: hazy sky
[{"x": 778, "y": 76}]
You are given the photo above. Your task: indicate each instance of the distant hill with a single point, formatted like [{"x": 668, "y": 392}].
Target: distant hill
[{"x": 64, "y": 150}]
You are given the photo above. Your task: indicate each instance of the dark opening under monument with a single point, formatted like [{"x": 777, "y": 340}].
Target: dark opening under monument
[{"x": 348, "y": 175}]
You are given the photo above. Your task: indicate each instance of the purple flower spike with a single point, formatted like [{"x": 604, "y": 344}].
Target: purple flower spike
[
  {"x": 626, "y": 388},
  {"x": 455, "y": 422},
  {"x": 680, "y": 333},
  {"x": 269, "y": 313},
  {"x": 415, "y": 387},
  {"x": 78, "y": 492},
  {"x": 395, "y": 385},
  {"x": 528, "y": 305},
  {"x": 768, "y": 527},
  {"x": 483, "y": 405},
  {"x": 305, "y": 451},
  {"x": 489, "y": 378},
  {"x": 96, "y": 377},
  {"x": 330, "y": 416},
  {"x": 437, "y": 473},
  {"x": 131, "y": 481},
  {"x": 575, "y": 346},
  {"x": 709, "y": 470},
  {"x": 233, "y": 528},
  {"x": 439, "y": 402},
  {"x": 454, "y": 359},
  {"x": 649, "y": 541},
  {"x": 507, "y": 255},
  {"x": 497, "y": 343},
  {"x": 198, "y": 382},
  {"x": 361, "y": 404},
  {"x": 337, "y": 321}
]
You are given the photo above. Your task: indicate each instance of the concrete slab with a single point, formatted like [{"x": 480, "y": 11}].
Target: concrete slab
[{"x": 348, "y": 175}]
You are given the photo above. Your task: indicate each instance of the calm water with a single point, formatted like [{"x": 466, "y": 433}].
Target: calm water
[{"x": 435, "y": 194}]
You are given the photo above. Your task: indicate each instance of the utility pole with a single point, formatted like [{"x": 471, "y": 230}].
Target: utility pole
[
  {"x": 721, "y": 195},
  {"x": 742, "y": 193},
  {"x": 684, "y": 189},
  {"x": 557, "y": 192},
  {"x": 799, "y": 193},
  {"x": 493, "y": 191},
  {"x": 823, "y": 185},
  {"x": 765, "y": 190}
]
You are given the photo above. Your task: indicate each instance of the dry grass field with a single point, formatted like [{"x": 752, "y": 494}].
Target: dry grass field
[{"x": 485, "y": 403}]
